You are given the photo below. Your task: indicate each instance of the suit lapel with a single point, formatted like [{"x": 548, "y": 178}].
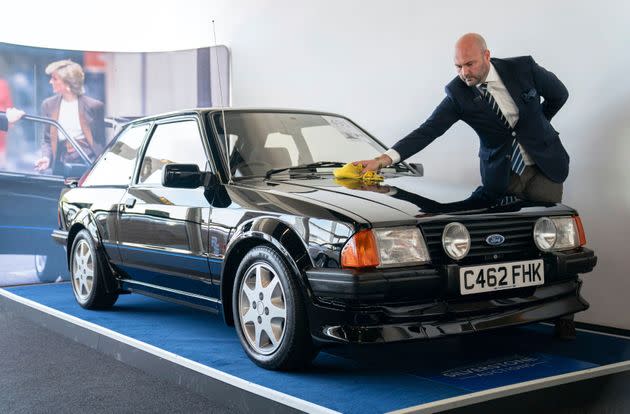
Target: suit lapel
[
  {"x": 479, "y": 102},
  {"x": 508, "y": 80}
]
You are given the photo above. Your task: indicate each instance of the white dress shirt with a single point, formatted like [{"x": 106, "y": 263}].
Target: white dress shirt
[
  {"x": 69, "y": 119},
  {"x": 503, "y": 98},
  {"x": 506, "y": 104}
]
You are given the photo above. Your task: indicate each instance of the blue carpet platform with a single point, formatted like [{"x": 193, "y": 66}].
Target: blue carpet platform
[{"x": 198, "y": 350}]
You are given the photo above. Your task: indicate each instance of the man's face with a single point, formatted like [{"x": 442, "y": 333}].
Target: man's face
[{"x": 472, "y": 64}]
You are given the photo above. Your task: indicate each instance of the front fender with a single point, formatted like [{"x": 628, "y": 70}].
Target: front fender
[
  {"x": 263, "y": 230},
  {"x": 277, "y": 233},
  {"x": 84, "y": 219}
]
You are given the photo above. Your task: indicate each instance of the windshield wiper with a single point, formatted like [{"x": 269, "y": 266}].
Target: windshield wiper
[{"x": 321, "y": 164}]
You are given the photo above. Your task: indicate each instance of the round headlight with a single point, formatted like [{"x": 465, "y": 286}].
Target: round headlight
[
  {"x": 456, "y": 240},
  {"x": 545, "y": 233}
]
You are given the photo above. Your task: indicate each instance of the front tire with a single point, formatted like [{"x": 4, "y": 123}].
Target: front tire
[
  {"x": 269, "y": 312},
  {"x": 88, "y": 271}
]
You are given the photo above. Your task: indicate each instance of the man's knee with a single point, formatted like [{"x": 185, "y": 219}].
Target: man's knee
[
  {"x": 546, "y": 195},
  {"x": 541, "y": 188}
]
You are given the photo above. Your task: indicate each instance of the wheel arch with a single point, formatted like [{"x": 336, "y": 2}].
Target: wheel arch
[
  {"x": 268, "y": 231},
  {"x": 84, "y": 219}
]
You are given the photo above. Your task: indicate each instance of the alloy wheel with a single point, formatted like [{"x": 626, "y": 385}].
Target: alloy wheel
[
  {"x": 262, "y": 308},
  {"x": 82, "y": 271}
]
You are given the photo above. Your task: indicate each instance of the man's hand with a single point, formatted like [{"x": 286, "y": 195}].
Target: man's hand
[
  {"x": 14, "y": 115},
  {"x": 374, "y": 165},
  {"x": 42, "y": 164}
]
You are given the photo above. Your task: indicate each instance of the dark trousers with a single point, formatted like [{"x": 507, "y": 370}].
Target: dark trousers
[{"x": 533, "y": 185}]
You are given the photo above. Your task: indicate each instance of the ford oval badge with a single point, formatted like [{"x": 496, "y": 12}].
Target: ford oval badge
[{"x": 495, "y": 239}]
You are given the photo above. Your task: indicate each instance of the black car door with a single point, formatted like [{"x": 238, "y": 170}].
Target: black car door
[
  {"x": 162, "y": 232},
  {"x": 28, "y": 198},
  {"x": 109, "y": 180}
]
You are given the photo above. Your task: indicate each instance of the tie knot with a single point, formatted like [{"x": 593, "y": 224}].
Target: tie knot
[{"x": 483, "y": 86}]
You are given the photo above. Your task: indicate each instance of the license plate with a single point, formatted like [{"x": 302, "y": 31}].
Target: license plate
[{"x": 500, "y": 276}]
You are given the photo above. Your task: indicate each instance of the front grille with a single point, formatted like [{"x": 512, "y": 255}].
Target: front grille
[{"x": 518, "y": 244}]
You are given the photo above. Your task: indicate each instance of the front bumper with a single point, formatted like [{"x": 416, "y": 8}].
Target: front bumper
[
  {"x": 444, "y": 318},
  {"x": 425, "y": 282},
  {"x": 420, "y": 303}
]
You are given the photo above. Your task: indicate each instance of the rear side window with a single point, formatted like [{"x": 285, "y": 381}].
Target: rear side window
[
  {"x": 116, "y": 166},
  {"x": 172, "y": 143}
]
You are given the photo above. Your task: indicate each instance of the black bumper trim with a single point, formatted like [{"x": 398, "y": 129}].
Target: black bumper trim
[
  {"x": 575, "y": 262},
  {"x": 374, "y": 284},
  {"x": 427, "y": 282}
]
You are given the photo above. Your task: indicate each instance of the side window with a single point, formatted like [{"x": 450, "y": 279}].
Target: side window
[
  {"x": 172, "y": 143},
  {"x": 116, "y": 166}
]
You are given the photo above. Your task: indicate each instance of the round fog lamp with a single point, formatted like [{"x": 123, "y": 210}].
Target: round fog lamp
[
  {"x": 545, "y": 233},
  {"x": 456, "y": 240}
]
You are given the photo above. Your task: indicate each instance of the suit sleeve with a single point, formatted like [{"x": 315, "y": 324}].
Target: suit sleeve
[
  {"x": 550, "y": 88},
  {"x": 442, "y": 118},
  {"x": 4, "y": 123}
]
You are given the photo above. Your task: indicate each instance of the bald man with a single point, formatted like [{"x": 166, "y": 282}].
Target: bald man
[{"x": 520, "y": 152}]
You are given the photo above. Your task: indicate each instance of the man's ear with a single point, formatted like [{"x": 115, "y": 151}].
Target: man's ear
[{"x": 486, "y": 55}]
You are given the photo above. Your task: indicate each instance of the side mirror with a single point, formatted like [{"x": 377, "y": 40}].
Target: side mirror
[
  {"x": 183, "y": 176},
  {"x": 417, "y": 167}
]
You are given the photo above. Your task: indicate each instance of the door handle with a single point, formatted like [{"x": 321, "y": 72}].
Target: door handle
[{"x": 130, "y": 202}]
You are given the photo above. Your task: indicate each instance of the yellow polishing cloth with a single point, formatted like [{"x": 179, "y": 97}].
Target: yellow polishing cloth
[{"x": 354, "y": 172}]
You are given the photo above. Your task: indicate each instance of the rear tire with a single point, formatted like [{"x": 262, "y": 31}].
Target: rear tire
[
  {"x": 88, "y": 272},
  {"x": 269, "y": 312}
]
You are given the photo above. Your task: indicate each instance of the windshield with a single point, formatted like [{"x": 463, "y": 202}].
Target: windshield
[{"x": 261, "y": 141}]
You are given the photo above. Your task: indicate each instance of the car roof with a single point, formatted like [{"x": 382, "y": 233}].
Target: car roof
[{"x": 202, "y": 111}]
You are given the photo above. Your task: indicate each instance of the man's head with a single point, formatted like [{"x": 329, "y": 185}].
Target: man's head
[{"x": 472, "y": 59}]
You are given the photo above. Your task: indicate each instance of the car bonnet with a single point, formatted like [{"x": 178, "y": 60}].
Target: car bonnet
[{"x": 399, "y": 200}]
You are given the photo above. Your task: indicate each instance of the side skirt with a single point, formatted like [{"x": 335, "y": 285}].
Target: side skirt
[{"x": 171, "y": 295}]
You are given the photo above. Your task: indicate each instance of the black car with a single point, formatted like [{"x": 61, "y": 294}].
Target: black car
[{"x": 237, "y": 212}]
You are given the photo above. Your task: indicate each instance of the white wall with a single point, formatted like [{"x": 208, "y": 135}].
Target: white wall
[
  {"x": 124, "y": 73},
  {"x": 384, "y": 64},
  {"x": 170, "y": 79}
]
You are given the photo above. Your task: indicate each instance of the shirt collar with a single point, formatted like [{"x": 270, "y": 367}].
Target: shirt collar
[{"x": 493, "y": 76}]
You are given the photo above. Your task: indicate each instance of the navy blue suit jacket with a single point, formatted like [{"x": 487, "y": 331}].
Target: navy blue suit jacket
[{"x": 527, "y": 83}]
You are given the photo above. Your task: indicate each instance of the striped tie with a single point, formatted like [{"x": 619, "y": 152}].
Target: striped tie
[{"x": 518, "y": 164}]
